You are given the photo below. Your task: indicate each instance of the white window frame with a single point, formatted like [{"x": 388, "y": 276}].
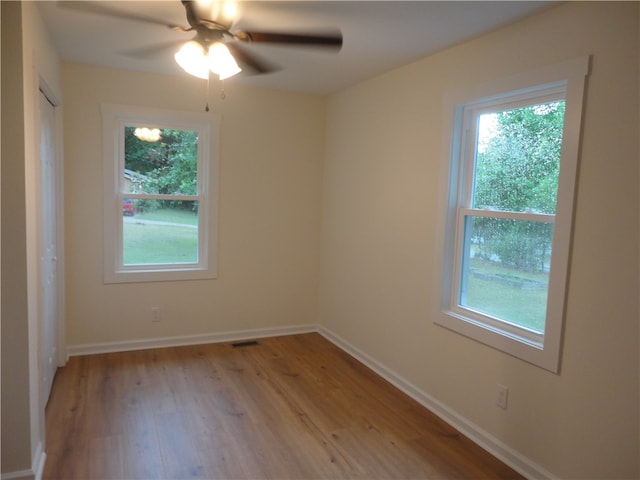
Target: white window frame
[
  {"x": 114, "y": 119},
  {"x": 565, "y": 80}
]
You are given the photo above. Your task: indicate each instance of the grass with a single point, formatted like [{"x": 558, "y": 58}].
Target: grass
[
  {"x": 501, "y": 292},
  {"x": 170, "y": 215},
  {"x": 157, "y": 244}
]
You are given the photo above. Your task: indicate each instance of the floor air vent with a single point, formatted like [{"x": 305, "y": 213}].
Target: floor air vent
[{"x": 249, "y": 343}]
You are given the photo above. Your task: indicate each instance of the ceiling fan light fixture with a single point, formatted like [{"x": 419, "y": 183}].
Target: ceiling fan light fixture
[
  {"x": 193, "y": 60},
  {"x": 221, "y": 62},
  {"x": 148, "y": 134}
]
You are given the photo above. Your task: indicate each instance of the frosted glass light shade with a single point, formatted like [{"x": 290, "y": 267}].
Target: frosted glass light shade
[
  {"x": 222, "y": 62},
  {"x": 193, "y": 60}
]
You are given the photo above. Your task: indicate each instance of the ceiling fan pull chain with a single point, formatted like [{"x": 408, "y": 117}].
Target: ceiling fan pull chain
[
  {"x": 206, "y": 108},
  {"x": 222, "y": 94}
]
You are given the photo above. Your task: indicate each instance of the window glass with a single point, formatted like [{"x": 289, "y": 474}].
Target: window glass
[
  {"x": 518, "y": 158},
  {"x": 162, "y": 232},
  {"x": 505, "y": 262},
  {"x": 160, "y": 161},
  {"x": 505, "y": 270},
  {"x": 158, "y": 229}
]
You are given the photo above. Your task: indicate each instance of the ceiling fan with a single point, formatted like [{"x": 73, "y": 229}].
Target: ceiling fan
[{"x": 217, "y": 46}]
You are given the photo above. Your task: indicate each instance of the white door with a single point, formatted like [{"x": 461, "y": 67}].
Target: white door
[{"x": 49, "y": 317}]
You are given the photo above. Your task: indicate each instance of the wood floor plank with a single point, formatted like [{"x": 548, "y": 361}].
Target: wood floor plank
[
  {"x": 141, "y": 449},
  {"x": 105, "y": 458},
  {"x": 221, "y": 457},
  {"x": 67, "y": 449},
  {"x": 294, "y": 407},
  {"x": 178, "y": 449}
]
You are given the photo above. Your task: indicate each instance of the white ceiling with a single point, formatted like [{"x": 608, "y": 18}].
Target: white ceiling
[{"x": 378, "y": 35}]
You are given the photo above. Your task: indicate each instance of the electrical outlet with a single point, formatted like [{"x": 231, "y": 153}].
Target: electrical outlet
[
  {"x": 155, "y": 314},
  {"x": 502, "y": 395}
]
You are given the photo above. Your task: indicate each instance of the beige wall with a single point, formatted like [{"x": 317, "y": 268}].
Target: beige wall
[
  {"x": 16, "y": 418},
  {"x": 27, "y": 61},
  {"x": 270, "y": 164},
  {"x": 384, "y": 148}
]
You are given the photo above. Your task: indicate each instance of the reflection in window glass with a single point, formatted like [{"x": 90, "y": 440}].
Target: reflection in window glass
[{"x": 163, "y": 164}]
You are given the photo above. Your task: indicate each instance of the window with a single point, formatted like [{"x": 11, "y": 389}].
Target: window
[
  {"x": 511, "y": 175},
  {"x": 160, "y": 194}
]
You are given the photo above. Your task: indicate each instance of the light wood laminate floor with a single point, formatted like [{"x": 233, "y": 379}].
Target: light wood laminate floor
[{"x": 294, "y": 407}]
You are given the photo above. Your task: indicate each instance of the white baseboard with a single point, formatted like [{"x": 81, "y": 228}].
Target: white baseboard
[
  {"x": 34, "y": 473},
  {"x": 178, "y": 341},
  {"x": 39, "y": 463},
  {"x": 19, "y": 475},
  {"x": 508, "y": 455}
]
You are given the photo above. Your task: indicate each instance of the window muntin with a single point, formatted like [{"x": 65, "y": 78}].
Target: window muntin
[
  {"x": 160, "y": 194},
  {"x": 468, "y": 214}
]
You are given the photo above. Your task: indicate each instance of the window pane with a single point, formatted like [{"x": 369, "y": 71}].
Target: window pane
[
  {"x": 518, "y": 159},
  {"x": 161, "y": 232},
  {"x": 505, "y": 271},
  {"x": 165, "y": 161}
]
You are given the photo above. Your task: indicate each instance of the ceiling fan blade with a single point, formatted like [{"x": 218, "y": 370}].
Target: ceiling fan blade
[
  {"x": 250, "y": 62},
  {"x": 98, "y": 8},
  {"x": 330, "y": 40},
  {"x": 153, "y": 51}
]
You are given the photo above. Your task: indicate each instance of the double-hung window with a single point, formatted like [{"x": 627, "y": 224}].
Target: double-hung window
[
  {"x": 511, "y": 175},
  {"x": 160, "y": 194}
]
